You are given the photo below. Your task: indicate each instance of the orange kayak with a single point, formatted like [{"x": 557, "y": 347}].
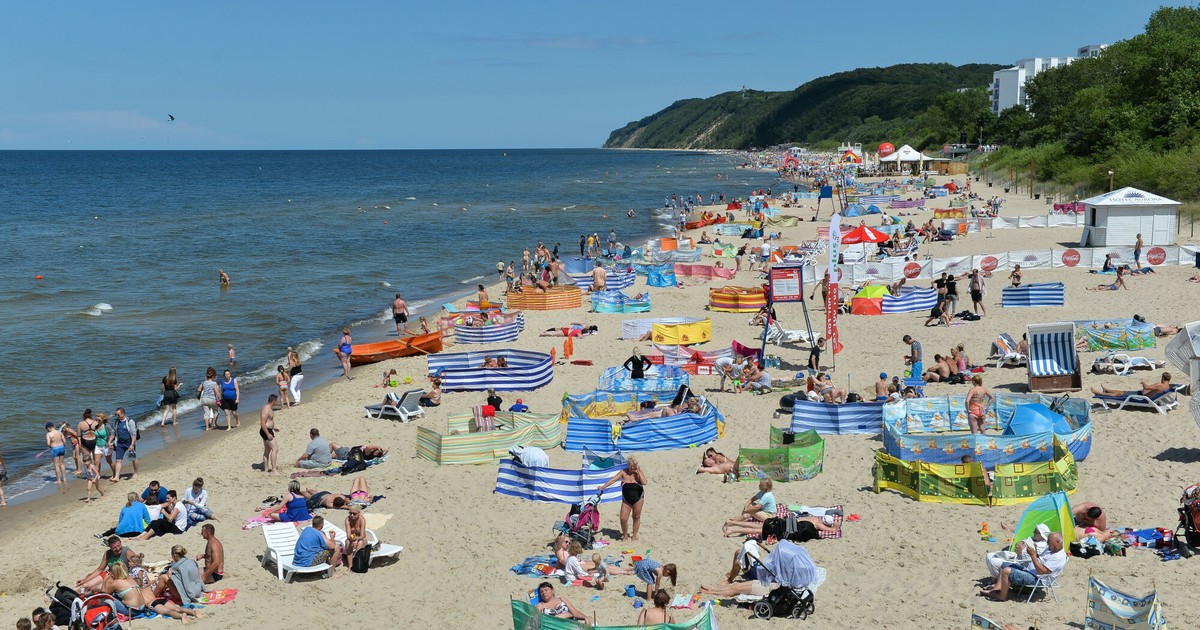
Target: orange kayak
[{"x": 366, "y": 353}]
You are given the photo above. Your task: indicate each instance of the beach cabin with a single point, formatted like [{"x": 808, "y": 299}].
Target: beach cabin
[{"x": 1117, "y": 217}]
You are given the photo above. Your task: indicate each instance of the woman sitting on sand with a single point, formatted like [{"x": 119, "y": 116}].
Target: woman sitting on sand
[
  {"x": 293, "y": 508},
  {"x": 716, "y": 463},
  {"x": 704, "y": 239},
  {"x": 657, "y": 614},
  {"x": 433, "y": 397}
]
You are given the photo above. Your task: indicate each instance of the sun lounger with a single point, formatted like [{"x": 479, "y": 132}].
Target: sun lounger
[
  {"x": 777, "y": 335},
  {"x": 404, "y": 408},
  {"x": 281, "y": 545},
  {"x": 1123, "y": 364},
  {"x": 1161, "y": 402}
]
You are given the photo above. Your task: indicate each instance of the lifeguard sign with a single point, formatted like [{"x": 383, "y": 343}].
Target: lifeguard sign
[{"x": 787, "y": 283}]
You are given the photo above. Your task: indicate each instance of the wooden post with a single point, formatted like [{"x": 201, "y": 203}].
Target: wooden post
[{"x": 1031, "y": 179}]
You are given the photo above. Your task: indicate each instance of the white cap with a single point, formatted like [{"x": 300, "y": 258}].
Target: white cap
[{"x": 1043, "y": 529}]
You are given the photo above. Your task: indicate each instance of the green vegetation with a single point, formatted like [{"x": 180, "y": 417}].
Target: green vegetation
[
  {"x": 1134, "y": 110},
  {"x": 916, "y": 102}
]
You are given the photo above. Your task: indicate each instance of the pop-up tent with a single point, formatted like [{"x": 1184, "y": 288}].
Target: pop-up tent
[
  {"x": 1033, "y": 418},
  {"x": 1053, "y": 511},
  {"x": 868, "y": 300}
]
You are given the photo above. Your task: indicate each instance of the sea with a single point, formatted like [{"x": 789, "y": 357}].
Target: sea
[{"x": 111, "y": 262}]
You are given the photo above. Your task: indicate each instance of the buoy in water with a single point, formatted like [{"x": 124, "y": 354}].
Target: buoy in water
[
  {"x": 385, "y": 221},
  {"x": 39, "y": 276}
]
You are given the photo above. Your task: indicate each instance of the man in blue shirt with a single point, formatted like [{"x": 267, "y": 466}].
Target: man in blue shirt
[
  {"x": 520, "y": 407},
  {"x": 315, "y": 546},
  {"x": 154, "y": 494}
]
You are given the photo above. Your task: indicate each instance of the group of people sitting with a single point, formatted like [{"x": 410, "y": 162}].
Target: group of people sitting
[
  {"x": 137, "y": 591},
  {"x": 744, "y": 375},
  {"x": 490, "y": 362},
  {"x": 158, "y": 511},
  {"x": 297, "y": 505},
  {"x": 955, "y": 368}
]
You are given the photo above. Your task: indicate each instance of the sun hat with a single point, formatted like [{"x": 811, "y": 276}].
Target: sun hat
[{"x": 1043, "y": 529}]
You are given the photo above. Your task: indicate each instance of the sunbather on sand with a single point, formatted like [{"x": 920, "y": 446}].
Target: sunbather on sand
[
  {"x": 1090, "y": 520},
  {"x": 1115, "y": 286},
  {"x": 716, "y": 463},
  {"x": 1166, "y": 330},
  {"x": 754, "y": 528},
  {"x": 576, "y": 329},
  {"x": 322, "y": 498},
  {"x": 1151, "y": 389},
  {"x": 939, "y": 371}
]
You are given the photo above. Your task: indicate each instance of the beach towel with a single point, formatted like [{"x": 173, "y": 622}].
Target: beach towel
[
  {"x": 537, "y": 566},
  {"x": 222, "y": 596},
  {"x": 782, "y": 510}
]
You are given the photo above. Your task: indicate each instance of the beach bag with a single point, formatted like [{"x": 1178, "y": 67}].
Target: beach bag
[
  {"x": 355, "y": 461},
  {"x": 361, "y": 562}
]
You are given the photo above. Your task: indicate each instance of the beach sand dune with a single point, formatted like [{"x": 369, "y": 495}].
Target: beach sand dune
[{"x": 904, "y": 565}]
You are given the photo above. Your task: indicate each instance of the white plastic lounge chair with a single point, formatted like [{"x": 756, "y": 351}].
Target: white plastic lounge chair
[
  {"x": 1123, "y": 364},
  {"x": 378, "y": 549},
  {"x": 777, "y": 335},
  {"x": 281, "y": 545},
  {"x": 406, "y": 408},
  {"x": 1161, "y": 402},
  {"x": 1004, "y": 350}
]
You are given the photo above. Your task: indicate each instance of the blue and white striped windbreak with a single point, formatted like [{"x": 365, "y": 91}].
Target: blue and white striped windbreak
[
  {"x": 651, "y": 434},
  {"x": 910, "y": 300},
  {"x": 877, "y": 199},
  {"x": 461, "y": 371},
  {"x": 615, "y": 280},
  {"x": 487, "y": 334},
  {"x": 837, "y": 419},
  {"x": 613, "y": 301},
  {"x": 555, "y": 485},
  {"x": 1052, "y": 352},
  {"x": 1036, "y": 294}
]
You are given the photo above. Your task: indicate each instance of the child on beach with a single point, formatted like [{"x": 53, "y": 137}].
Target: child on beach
[
  {"x": 282, "y": 379},
  {"x": 232, "y": 358},
  {"x": 599, "y": 572},
  {"x": 387, "y": 378},
  {"x": 57, "y": 444}
]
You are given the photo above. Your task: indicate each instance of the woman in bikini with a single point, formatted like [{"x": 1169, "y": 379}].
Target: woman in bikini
[
  {"x": 633, "y": 481},
  {"x": 978, "y": 400},
  {"x": 1015, "y": 276},
  {"x": 282, "y": 381},
  {"x": 124, "y": 590},
  {"x": 555, "y": 606},
  {"x": 651, "y": 616}
]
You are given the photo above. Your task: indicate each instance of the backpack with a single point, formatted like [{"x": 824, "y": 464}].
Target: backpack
[
  {"x": 355, "y": 461},
  {"x": 361, "y": 562}
]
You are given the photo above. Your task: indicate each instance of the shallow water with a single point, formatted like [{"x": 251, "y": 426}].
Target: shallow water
[{"x": 128, "y": 245}]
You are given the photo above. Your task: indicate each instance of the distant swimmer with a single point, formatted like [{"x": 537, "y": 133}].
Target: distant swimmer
[
  {"x": 224, "y": 277},
  {"x": 631, "y": 213}
]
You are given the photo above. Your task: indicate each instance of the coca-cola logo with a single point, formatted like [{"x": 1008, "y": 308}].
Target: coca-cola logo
[
  {"x": 912, "y": 270},
  {"x": 1070, "y": 257},
  {"x": 1156, "y": 256},
  {"x": 989, "y": 263}
]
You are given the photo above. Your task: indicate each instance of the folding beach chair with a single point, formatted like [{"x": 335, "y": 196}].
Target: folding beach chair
[
  {"x": 404, "y": 407},
  {"x": 1046, "y": 583},
  {"x": 778, "y": 335},
  {"x": 1004, "y": 350},
  {"x": 1161, "y": 402}
]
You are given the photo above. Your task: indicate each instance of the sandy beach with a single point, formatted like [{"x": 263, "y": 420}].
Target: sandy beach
[{"x": 903, "y": 565}]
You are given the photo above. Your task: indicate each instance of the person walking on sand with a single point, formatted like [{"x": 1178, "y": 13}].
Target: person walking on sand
[
  {"x": 266, "y": 431},
  {"x": 127, "y": 435},
  {"x": 500, "y": 270},
  {"x": 209, "y": 397},
  {"x": 170, "y": 397},
  {"x": 976, "y": 288},
  {"x": 345, "y": 347},
  {"x": 400, "y": 316},
  {"x": 295, "y": 374},
  {"x": 57, "y": 443},
  {"x": 1137, "y": 253}
]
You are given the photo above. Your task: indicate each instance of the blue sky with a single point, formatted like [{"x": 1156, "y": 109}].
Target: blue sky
[{"x": 297, "y": 75}]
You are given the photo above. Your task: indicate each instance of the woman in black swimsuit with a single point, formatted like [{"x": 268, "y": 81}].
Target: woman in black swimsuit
[{"x": 633, "y": 480}]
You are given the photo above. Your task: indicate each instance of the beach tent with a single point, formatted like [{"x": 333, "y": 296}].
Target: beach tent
[
  {"x": 1109, "y": 608},
  {"x": 873, "y": 209},
  {"x": 868, "y": 300},
  {"x": 1052, "y": 510},
  {"x": 1033, "y": 418},
  {"x": 853, "y": 210},
  {"x": 1117, "y": 217}
]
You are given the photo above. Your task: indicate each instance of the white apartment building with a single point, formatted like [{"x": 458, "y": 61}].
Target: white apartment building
[{"x": 1008, "y": 86}]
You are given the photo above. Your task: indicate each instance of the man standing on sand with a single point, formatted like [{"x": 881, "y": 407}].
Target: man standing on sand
[
  {"x": 612, "y": 240},
  {"x": 500, "y": 270},
  {"x": 400, "y": 315},
  {"x": 599, "y": 278},
  {"x": 58, "y": 449},
  {"x": 1137, "y": 253},
  {"x": 213, "y": 556},
  {"x": 915, "y": 357},
  {"x": 127, "y": 435}
]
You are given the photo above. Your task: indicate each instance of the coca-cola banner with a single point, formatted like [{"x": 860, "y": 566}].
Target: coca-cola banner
[
  {"x": 991, "y": 262},
  {"x": 1031, "y": 259},
  {"x": 954, "y": 266},
  {"x": 1081, "y": 257}
]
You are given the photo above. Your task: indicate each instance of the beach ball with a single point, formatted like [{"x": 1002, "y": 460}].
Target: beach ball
[{"x": 886, "y": 149}]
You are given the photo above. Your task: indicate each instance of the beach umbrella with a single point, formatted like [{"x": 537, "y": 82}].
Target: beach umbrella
[
  {"x": 1029, "y": 419},
  {"x": 864, "y": 234}
]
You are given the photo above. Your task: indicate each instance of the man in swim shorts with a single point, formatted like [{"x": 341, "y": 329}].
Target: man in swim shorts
[
  {"x": 58, "y": 449},
  {"x": 400, "y": 315},
  {"x": 1152, "y": 389},
  {"x": 213, "y": 556},
  {"x": 599, "y": 278}
]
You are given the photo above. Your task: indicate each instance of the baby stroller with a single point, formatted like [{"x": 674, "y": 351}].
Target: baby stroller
[
  {"x": 1189, "y": 522},
  {"x": 792, "y": 568},
  {"x": 582, "y": 522},
  {"x": 77, "y": 612}
]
